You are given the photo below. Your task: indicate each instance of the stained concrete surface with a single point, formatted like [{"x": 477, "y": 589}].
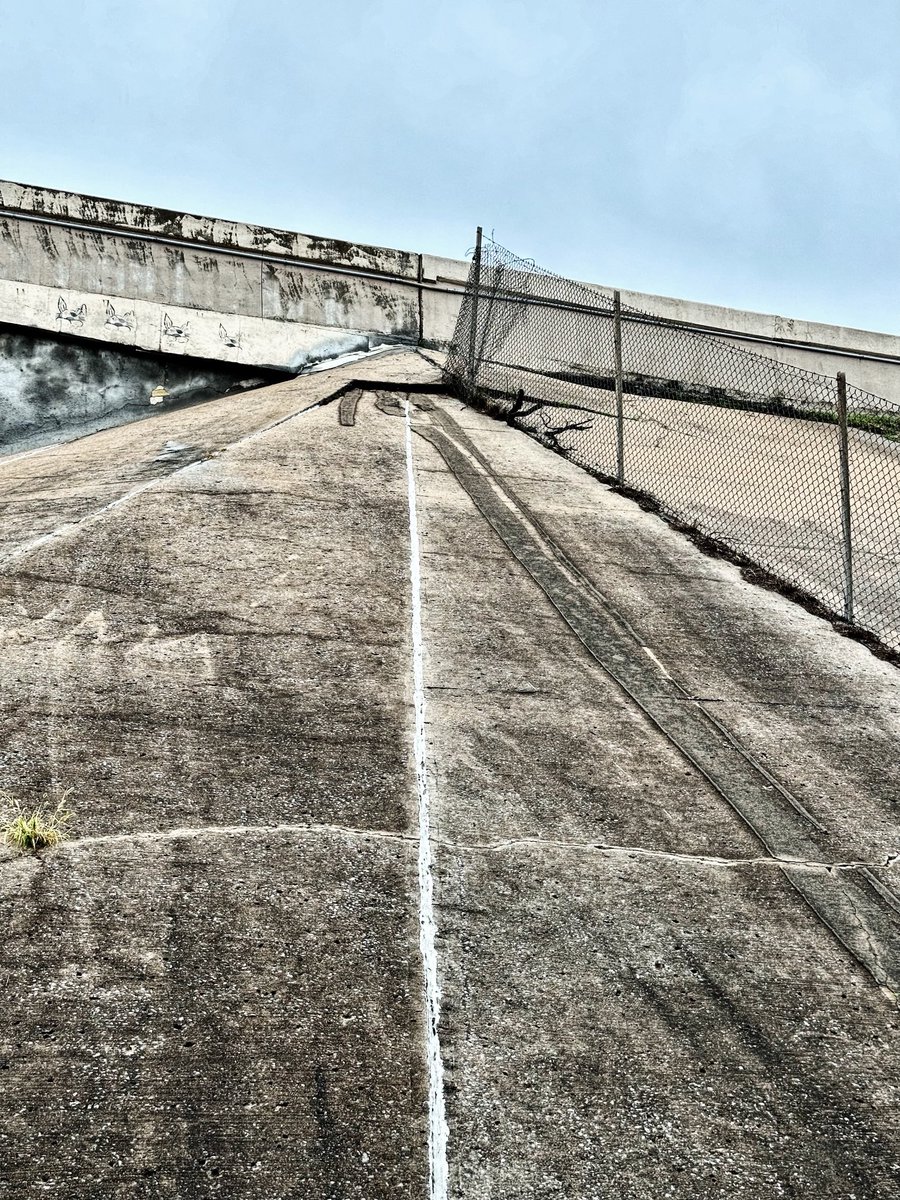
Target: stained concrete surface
[
  {"x": 199, "y": 287},
  {"x": 52, "y": 386},
  {"x": 215, "y": 988},
  {"x": 212, "y": 1015},
  {"x": 831, "y": 707},
  {"x": 643, "y": 1020}
]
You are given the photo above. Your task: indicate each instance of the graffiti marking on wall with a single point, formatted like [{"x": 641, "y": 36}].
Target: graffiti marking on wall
[
  {"x": 230, "y": 339},
  {"x": 119, "y": 320},
  {"x": 74, "y": 316},
  {"x": 178, "y": 333}
]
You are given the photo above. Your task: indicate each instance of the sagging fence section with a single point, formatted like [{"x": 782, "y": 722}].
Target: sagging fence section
[{"x": 793, "y": 471}]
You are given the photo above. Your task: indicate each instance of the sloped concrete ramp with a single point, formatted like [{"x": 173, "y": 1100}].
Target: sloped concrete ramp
[{"x": 659, "y": 806}]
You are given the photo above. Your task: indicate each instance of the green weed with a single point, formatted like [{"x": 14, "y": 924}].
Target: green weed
[
  {"x": 885, "y": 423},
  {"x": 32, "y": 829}
]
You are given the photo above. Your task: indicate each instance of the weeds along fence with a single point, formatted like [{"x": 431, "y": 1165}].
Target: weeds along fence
[{"x": 792, "y": 471}]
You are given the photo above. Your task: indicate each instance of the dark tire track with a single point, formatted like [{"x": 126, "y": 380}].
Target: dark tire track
[{"x": 859, "y": 910}]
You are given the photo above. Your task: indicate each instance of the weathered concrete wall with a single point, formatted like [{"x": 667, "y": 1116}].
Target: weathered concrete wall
[
  {"x": 198, "y": 286},
  {"x": 870, "y": 360},
  {"x": 52, "y": 384},
  {"x": 49, "y": 203},
  {"x": 104, "y": 264},
  {"x": 169, "y": 328},
  {"x": 163, "y": 281}
]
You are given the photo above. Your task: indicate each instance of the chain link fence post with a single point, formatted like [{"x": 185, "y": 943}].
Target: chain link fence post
[
  {"x": 476, "y": 285},
  {"x": 846, "y": 534},
  {"x": 737, "y": 446},
  {"x": 620, "y": 412}
]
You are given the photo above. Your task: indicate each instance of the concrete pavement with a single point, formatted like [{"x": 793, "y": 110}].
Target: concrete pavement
[{"x": 215, "y": 988}]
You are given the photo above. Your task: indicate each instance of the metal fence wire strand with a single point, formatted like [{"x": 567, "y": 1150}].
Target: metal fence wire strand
[{"x": 794, "y": 471}]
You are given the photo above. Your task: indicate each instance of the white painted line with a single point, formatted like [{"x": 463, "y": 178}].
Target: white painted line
[
  {"x": 437, "y": 1121},
  {"x": 5, "y": 459},
  {"x": 157, "y": 481},
  {"x": 662, "y": 670},
  {"x": 72, "y": 526}
]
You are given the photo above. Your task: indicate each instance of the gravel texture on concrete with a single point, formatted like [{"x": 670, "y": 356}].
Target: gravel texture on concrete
[
  {"x": 637, "y": 1002},
  {"x": 214, "y": 987}
]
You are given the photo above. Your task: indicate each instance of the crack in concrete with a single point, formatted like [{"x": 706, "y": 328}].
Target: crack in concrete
[
  {"x": 710, "y": 860},
  {"x": 866, "y": 932},
  {"x": 488, "y": 847}
]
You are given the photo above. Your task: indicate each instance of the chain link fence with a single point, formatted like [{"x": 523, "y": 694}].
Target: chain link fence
[{"x": 792, "y": 471}]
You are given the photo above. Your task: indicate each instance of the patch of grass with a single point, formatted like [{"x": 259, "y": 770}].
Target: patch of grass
[
  {"x": 32, "y": 829},
  {"x": 885, "y": 423}
]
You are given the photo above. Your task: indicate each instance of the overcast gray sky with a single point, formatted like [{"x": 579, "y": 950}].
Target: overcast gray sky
[{"x": 744, "y": 152}]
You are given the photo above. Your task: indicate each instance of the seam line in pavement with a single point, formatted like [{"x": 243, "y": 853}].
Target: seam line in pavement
[
  {"x": 72, "y": 526},
  {"x": 489, "y": 847},
  {"x": 88, "y": 519}
]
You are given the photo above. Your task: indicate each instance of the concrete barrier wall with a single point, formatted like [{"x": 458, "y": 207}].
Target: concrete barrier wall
[
  {"x": 870, "y": 360},
  {"x": 179, "y": 284},
  {"x": 49, "y": 204}
]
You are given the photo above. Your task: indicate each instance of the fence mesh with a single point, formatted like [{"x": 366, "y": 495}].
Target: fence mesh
[{"x": 747, "y": 450}]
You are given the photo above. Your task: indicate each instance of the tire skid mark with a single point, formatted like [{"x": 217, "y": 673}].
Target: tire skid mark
[{"x": 859, "y": 912}]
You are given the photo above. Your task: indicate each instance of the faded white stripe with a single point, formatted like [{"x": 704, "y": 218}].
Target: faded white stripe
[{"x": 437, "y": 1122}]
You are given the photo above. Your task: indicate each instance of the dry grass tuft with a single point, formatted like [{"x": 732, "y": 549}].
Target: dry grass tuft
[{"x": 32, "y": 829}]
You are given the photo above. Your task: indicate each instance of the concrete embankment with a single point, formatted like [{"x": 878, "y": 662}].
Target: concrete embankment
[
  {"x": 168, "y": 282},
  {"x": 661, "y": 807},
  {"x": 52, "y": 384}
]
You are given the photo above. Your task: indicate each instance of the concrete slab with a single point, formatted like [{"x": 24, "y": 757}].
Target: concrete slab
[
  {"x": 603, "y": 1040},
  {"x": 44, "y": 489},
  {"x": 218, "y": 981},
  {"x": 620, "y": 1027},
  {"x": 230, "y": 1014}
]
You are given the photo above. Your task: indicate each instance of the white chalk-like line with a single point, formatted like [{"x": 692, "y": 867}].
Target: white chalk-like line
[
  {"x": 662, "y": 670},
  {"x": 73, "y": 526},
  {"x": 437, "y": 1121},
  {"x": 5, "y": 459},
  {"x": 76, "y": 526}
]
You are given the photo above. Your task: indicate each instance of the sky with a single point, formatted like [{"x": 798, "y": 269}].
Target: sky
[{"x": 739, "y": 152}]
